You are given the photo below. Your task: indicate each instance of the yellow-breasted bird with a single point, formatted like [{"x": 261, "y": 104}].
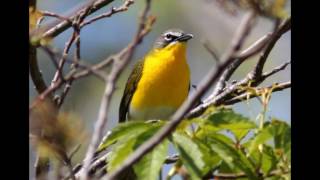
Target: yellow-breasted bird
[{"x": 160, "y": 82}]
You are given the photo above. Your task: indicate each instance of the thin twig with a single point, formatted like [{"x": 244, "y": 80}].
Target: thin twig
[
  {"x": 205, "y": 84},
  {"x": 53, "y": 59},
  {"x": 234, "y": 50},
  {"x": 119, "y": 62},
  {"x": 76, "y": 34},
  {"x": 284, "y": 27},
  {"x": 212, "y": 51},
  {"x": 275, "y": 70},
  {"x": 73, "y": 75},
  {"x": 73, "y": 152},
  {"x": 52, "y": 14},
  {"x": 113, "y": 10},
  {"x": 39, "y": 21},
  {"x": 247, "y": 95},
  {"x": 63, "y": 58},
  {"x": 35, "y": 72}
]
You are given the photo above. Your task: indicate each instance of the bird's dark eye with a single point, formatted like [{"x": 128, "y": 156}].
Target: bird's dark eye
[{"x": 168, "y": 37}]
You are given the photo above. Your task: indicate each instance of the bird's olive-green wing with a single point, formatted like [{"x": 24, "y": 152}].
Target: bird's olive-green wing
[{"x": 129, "y": 90}]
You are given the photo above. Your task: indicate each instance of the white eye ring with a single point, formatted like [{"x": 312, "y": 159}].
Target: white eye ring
[{"x": 168, "y": 37}]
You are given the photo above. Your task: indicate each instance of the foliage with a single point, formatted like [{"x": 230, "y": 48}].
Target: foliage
[{"x": 218, "y": 142}]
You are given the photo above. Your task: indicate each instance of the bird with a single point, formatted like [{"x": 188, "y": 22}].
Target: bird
[{"x": 160, "y": 82}]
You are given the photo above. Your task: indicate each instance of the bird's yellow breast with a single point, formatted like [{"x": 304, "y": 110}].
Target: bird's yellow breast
[{"x": 164, "y": 83}]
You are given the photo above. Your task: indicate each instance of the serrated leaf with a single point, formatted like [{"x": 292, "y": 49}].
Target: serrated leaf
[
  {"x": 191, "y": 154},
  {"x": 124, "y": 148},
  {"x": 149, "y": 166},
  {"x": 226, "y": 119},
  {"x": 124, "y": 131},
  {"x": 233, "y": 157}
]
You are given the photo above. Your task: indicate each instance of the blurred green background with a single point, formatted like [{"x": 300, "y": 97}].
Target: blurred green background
[{"x": 203, "y": 18}]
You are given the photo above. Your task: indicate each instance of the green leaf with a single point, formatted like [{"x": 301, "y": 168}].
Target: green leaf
[
  {"x": 124, "y": 131},
  {"x": 226, "y": 119},
  {"x": 269, "y": 160},
  {"x": 263, "y": 136},
  {"x": 206, "y": 132},
  {"x": 149, "y": 166},
  {"x": 277, "y": 130},
  {"x": 233, "y": 157},
  {"x": 192, "y": 155},
  {"x": 282, "y": 134},
  {"x": 124, "y": 148}
]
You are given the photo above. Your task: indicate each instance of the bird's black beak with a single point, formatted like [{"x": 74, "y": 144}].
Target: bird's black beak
[{"x": 184, "y": 37}]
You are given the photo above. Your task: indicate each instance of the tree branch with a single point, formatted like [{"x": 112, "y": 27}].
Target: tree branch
[
  {"x": 212, "y": 51},
  {"x": 275, "y": 70},
  {"x": 113, "y": 10},
  {"x": 35, "y": 73},
  {"x": 284, "y": 27},
  {"x": 248, "y": 95},
  {"x": 119, "y": 62},
  {"x": 229, "y": 71},
  {"x": 55, "y": 28}
]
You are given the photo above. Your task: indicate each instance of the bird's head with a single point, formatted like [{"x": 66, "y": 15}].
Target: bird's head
[{"x": 172, "y": 37}]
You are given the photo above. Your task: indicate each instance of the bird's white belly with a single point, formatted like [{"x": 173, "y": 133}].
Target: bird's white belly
[{"x": 154, "y": 113}]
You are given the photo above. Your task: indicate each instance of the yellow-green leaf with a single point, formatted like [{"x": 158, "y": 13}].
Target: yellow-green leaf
[{"x": 149, "y": 166}]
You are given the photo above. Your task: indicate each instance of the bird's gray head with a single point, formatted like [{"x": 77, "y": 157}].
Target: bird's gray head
[{"x": 171, "y": 36}]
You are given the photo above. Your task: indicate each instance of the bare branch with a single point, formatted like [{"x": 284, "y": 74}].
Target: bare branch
[
  {"x": 284, "y": 27},
  {"x": 55, "y": 28},
  {"x": 74, "y": 75},
  {"x": 119, "y": 62},
  {"x": 39, "y": 21},
  {"x": 275, "y": 70},
  {"x": 245, "y": 96},
  {"x": 123, "y": 7},
  {"x": 212, "y": 51},
  {"x": 234, "y": 50},
  {"x": 212, "y": 76},
  {"x": 53, "y": 59},
  {"x": 35, "y": 73},
  {"x": 52, "y": 14},
  {"x": 63, "y": 58},
  {"x": 75, "y": 37}
]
